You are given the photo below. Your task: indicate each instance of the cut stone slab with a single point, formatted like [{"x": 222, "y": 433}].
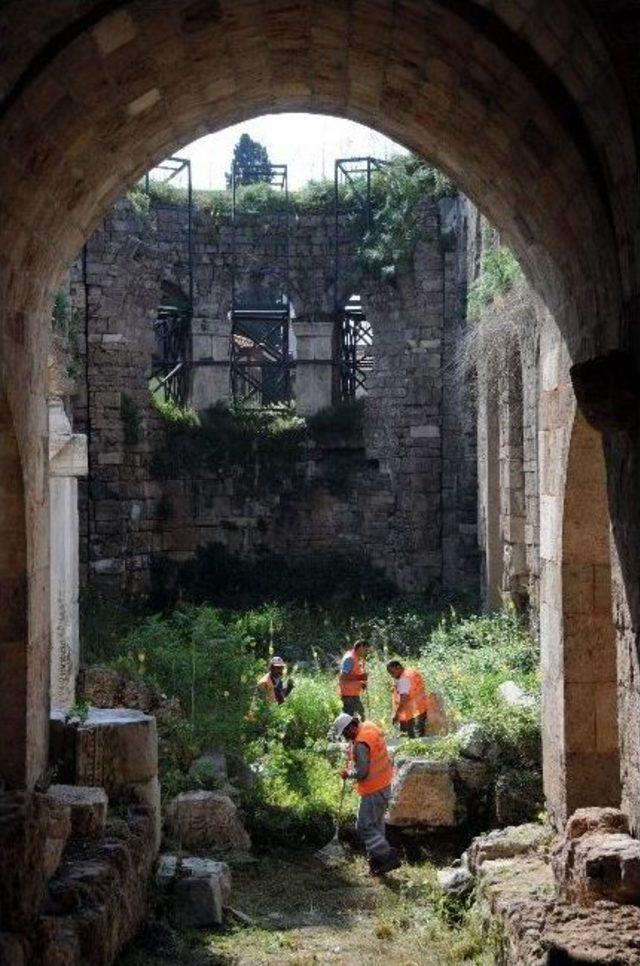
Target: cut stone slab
[
  {"x": 508, "y": 842},
  {"x": 593, "y": 862},
  {"x": 204, "y": 819},
  {"x": 116, "y": 747},
  {"x": 424, "y": 795},
  {"x": 200, "y": 888},
  {"x": 87, "y": 806}
]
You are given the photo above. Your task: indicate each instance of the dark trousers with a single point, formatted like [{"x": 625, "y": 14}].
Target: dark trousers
[
  {"x": 353, "y": 705},
  {"x": 415, "y": 727}
]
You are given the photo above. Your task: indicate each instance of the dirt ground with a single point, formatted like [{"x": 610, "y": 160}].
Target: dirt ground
[{"x": 300, "y": 912}]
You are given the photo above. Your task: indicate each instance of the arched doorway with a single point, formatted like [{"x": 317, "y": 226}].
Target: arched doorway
[{"x": 500, "y": 100}]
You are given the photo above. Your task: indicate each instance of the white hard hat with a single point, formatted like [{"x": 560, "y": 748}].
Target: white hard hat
[
  {"x": 277, "y": 662},
  {"x": 342, "y": 721}
]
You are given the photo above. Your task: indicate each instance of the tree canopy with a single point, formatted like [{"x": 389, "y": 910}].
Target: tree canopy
[{"x": 248, "y": 155}]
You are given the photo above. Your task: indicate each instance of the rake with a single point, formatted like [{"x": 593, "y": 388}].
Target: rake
[{"x": 334, "y": 852}]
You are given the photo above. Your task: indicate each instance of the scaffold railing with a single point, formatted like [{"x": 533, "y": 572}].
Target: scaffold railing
[{"x": 260, "y": 315}]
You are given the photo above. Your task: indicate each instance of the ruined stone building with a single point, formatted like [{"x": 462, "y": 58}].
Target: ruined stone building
[
  {"x": 533, "y": 108},
  {"x": 407, "y": 496}
]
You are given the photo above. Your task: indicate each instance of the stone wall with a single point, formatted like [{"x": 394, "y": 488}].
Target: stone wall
[{"x": 406, "y": 499}]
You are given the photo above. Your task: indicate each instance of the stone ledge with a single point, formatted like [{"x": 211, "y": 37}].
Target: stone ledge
[{"x": 538, "y": 927}]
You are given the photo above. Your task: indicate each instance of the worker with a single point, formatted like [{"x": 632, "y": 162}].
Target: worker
[
  {"x": 371, "y": 767},
  {"x": 353, "y": 678},
  {"x": 272, "y": 686},
  {"x": 410, "y": 701}
]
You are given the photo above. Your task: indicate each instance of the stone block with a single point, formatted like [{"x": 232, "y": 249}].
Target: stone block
[
  {"x": 474, "y": 742},
  {"x": 457, "y": 883},
  {"x": 116, "y": 747},
  {"x": 58, "y": 832},
  {"x": 200, "y": 888},
  {"x": 87, "y": 807},
  {"x": 203, "y": 819},
  {"x": 597, "y": 859},
  {"x": 23, "y": 833},
  {"x": 424, "y": 795},
  {"x": 508, "y": 842}
]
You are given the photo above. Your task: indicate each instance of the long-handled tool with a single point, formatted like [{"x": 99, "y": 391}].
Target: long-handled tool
[{"x": 334, "y": 851}]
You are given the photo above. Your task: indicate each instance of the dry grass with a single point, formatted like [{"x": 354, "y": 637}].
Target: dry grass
[
  {"x": 304, "y": 913},
  {"x": 492, "y": 341}
]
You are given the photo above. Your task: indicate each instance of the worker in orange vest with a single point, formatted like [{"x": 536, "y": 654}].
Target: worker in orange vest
[
  {"x": 370, "y": 766},
  {"x": 410, "y": 701},
  {"x": 353, "y": 678},
  {"x": 271, "y": 686}
]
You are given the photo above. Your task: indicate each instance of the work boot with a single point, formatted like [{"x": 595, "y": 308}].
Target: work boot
[{"x": 381, "y": 866}]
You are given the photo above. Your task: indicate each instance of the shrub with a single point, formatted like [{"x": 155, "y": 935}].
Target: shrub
[
  {"x": 390, "y": 244},
  {"x": 241, "y": 437},
  {"x": 193, "y": 655},
  {"x": 344, "y": 420},
  {"x": 500, "y": 272}
]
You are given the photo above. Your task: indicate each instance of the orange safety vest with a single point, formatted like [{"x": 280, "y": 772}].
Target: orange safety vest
[
  {"x": 350, "y": 685},
  {"x": 380, "y": 764},
  {"x": 266, "y": 684},
  {"x": 417, "y": 701}
]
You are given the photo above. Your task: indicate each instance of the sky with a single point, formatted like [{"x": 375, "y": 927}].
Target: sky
[{"x": 307, "y": 143}]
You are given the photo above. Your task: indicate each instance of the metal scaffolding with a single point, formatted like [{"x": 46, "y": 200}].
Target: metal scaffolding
[
  {"x": 354, "y": 329},
  {"x": 260, "y": 302},
  {"x": 172, "y": 325}
]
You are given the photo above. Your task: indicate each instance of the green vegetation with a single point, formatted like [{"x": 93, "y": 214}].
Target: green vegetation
[
  {"x": 344, "y": 420},
  {"x": 210, "y": 658},
  {"x": 397, "y": 191},
  {"x": 302, "y": 913},
  {"x": 261, "y": 442},
  {"x": 247, "y": 438},
  {"x": 390, "y": 244},
  {"x": 250, "y": 159},
  {"x": 500, "y": 273},
  {"x": 61, "y": 314}
]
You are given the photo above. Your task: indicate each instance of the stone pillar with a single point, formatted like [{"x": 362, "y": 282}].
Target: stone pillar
[
  {"x": 315, "y": 364},
  {"x": 210, "y": 353},
  {"x": 67, "y": 461}
]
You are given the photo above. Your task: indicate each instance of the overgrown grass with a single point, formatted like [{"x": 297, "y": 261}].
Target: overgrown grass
[{"x": 211, "y": 658}]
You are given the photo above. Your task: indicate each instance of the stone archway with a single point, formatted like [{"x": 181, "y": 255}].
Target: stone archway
[
  {"x": 592, "y": 758},
  {"x": 15, "y": 691},
  {"x": 522, "y": 107}
]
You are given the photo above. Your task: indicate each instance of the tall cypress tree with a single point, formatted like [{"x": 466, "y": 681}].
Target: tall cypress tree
[{"x": 247, "y": 156}]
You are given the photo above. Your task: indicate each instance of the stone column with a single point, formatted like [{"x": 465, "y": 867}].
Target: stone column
[
  {"x": 316, "y": 364},
  {"x": 210, "y": 353},
  {"x": 67, "y": 461}
]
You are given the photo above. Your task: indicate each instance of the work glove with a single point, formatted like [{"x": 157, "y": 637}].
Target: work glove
[{"x": 289, "y": 686}]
